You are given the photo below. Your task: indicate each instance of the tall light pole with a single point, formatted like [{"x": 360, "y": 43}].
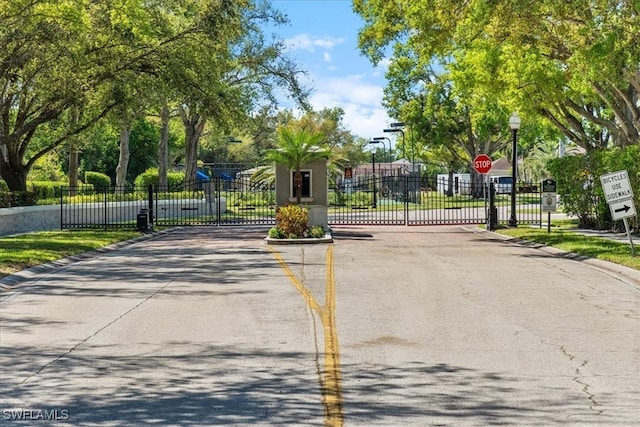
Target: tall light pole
[
  {"x": 394, "y": 130},
  {"x": 382, "y": 138},
  {"x": 514, "y": 124},
  {"x": 373, "y": 158}
]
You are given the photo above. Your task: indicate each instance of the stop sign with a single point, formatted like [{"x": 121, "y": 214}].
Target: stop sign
[{"x": 482, "y": 163}]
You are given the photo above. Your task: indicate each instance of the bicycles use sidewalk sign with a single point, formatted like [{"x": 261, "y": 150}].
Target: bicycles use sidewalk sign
[{"x": 619, "y": 195}]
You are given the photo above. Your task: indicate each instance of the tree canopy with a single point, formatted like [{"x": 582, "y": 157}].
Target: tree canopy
[
  {"x": 575, "y": 64},
  {"x": 65, "y": 65}
]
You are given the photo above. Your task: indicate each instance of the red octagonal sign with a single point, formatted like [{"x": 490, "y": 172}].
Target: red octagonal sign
[{"x": 482, "y": 163}]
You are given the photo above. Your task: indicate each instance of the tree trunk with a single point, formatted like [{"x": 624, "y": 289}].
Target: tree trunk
[
  {"x": 297, "y": 184},
  {"x": 163, "y": 150},
  {"x": 123, "y": 162},
  {"x": 193, "y": 125},
  {"x": 73, "y": 167},
  {"x": 477, "y": 185},
  {"x": 450, "y": 184},
  {"x": 12, "y": 170}
]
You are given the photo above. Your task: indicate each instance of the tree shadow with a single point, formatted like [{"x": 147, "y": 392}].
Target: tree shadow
[{"x": 186, "y": 384}]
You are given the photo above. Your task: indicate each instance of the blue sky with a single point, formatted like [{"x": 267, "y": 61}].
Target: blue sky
[{"x": 322, "y": 37}]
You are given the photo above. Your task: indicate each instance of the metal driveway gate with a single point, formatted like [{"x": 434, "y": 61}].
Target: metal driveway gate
[
  {"x": 387, "y": 200},
  {"x": 217, "y": 201},
  {"x": 405, "y": 200}
]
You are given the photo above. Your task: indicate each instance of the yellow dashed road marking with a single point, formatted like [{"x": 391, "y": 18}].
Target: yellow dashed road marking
[{"x": 330, "y": 380}]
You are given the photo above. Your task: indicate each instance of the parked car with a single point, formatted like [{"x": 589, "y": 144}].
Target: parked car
[{"x": 502, "y": 184}]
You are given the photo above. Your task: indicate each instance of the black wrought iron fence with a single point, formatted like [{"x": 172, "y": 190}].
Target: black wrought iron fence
[
  {"x": 387, "y": 200},
  {"x": 216, "y": 201},
  {"x": 103, "y": 207}
]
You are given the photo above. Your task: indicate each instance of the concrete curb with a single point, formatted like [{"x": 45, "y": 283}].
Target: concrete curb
[
  {"x": 627, "y": 275},
  {"x": 326, "y": 239},
  {"x": 12, "y": 281}
]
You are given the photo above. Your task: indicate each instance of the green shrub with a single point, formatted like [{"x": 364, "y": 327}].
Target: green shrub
[
  {"x": 292, "y": 220},
  {"x": 316, "y": 232},
  {"x": 3, "y": 185},
  {"x": 337, "y": 198},
  {"x": 276, "y": 233},
  {"x": 46, "y": 189},
  {"x": 361, "y": 198},
  {"x": 579, "y": 186},
  {"x": 22, "y": 198},
  {"x": 5, "y": 199},
  {"x": 175, "y": 180},
  {"x": 97, "y": 179}
]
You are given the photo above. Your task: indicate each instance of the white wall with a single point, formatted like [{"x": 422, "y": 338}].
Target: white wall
[{"x": 26, "y": 219}]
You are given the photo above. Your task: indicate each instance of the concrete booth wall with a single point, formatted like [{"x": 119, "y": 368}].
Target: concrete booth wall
[{"x": 319, "y": 197}]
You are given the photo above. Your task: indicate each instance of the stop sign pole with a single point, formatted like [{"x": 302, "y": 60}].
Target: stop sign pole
[{"x": 482, "y": 164}]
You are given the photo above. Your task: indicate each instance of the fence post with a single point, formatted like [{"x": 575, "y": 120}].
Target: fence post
[
  {"x": 218, "y": 194},
  {"x": 405, "y": 198},
  {"x": 493, "y": 211},
  {"x": 150, "y": 207},
  {"x": 106, "y": 208},
  {"x": 61, "y": 208}
]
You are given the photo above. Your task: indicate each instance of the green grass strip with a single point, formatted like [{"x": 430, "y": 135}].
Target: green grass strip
[
  {"x": 28, "y": 250},
  {"x": 563, "y": 237}
]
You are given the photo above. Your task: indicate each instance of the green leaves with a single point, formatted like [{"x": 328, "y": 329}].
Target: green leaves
[{"x": 575, "y": 64}]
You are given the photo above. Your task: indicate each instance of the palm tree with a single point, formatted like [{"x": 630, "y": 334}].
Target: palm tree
[{"x": 294, "y": 149}]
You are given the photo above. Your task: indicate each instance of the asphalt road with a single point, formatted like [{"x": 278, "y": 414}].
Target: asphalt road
[{"x": 390, "y": 326}]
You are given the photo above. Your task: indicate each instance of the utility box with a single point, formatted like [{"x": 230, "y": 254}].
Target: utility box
[{"x": 142, "y": 220}]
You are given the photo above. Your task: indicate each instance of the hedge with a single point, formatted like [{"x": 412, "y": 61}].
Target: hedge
[{"x": 97, "y": 179}]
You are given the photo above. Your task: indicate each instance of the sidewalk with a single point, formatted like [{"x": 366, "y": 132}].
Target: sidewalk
[{"x": 620, "y": 237}]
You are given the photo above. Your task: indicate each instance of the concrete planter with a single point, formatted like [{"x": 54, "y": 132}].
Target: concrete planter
[{"x": 326, "y": 239}]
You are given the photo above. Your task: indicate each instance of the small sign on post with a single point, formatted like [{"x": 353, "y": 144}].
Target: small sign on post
[
  {"x": 619, "y": 195},
  {"x": 548, "y": 199}
]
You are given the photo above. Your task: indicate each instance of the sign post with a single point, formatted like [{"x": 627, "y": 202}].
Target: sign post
[
  {"x": 619, "y": 195},
  {"x": 482, "y": 164},
  {"x": 548, "y": 199}
]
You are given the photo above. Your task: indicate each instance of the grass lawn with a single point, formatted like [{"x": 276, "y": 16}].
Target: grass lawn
[
  {"x": 563, "y": 236},
  {"x": 28, "y": 250}
]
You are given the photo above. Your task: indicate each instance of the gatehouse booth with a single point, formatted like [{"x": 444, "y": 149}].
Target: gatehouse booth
[{"x": 315, "y": 190}]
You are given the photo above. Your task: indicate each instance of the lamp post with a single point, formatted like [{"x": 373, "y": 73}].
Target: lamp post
[
  {"x": 394, "y": 130},
  {"x": 373, "y": 158},
  {"x": 382, "y": 138},
  {"x": 514, "y": 124}
]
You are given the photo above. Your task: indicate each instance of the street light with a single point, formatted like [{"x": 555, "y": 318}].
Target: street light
[
  {"x": 394, "y": 130},
  {"x": 514, "y": 124},
  {"x": 382, "y": 138},
  {"x": 373, "y": 157}
]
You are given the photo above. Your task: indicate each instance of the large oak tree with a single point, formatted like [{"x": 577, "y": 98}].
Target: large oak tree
[
  {"x": 574, "y": 63},
  {"x": 61, "y": 57}
]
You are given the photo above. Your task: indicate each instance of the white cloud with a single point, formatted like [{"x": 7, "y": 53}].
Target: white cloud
[
  {"x": 327, "y": 57},
  {"x": 361, "y": 101},
  {"x": 309, "y": 42},
  {"x": 381, "y": 69}
]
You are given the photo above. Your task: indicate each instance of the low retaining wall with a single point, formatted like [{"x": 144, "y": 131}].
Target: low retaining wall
[{"x": 27, "y": 219}]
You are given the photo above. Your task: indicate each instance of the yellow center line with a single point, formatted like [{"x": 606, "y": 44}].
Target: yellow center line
[
  {"x": 332, "y": 375},
  {"x": 330, "y": 381},
  {"x": 311, "y": 301}
]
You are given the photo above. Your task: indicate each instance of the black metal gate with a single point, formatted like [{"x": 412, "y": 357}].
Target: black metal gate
[
  {"x": 214, "y": 201},
  {"x": 217, "y": 201},
  {"x": 405, "y": 200},
  {"x": 387, "y": 200}
]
